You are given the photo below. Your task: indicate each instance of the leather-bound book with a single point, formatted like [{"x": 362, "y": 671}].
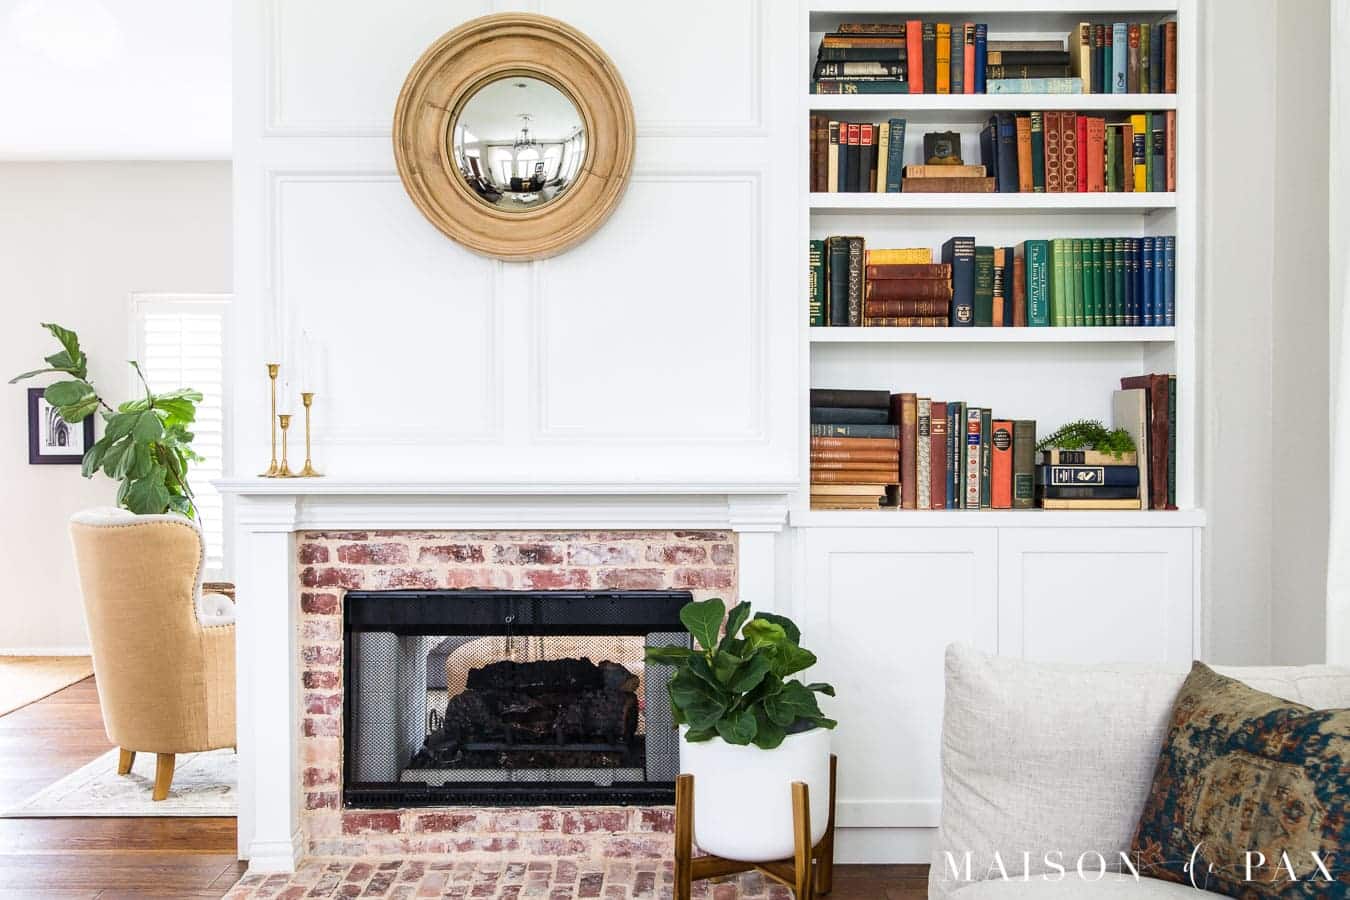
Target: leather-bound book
[
  {"x": 1053, "y": 184},
  {"x": 905, "y": 413},
  {"x": 893, "y": 271},
  {"x": 947, "y": 185},
  {"x": 905, "y": 321},
  {"x": 937, "y": 456},
  {"x": 908, "y": 289},
  {"x": 1159, "y": 430},
  {"x": 1019, "y": 290},
  {"x": 858, "y": 444},
  {"x": 875, "y": 308},
  {"x": 1068, "y": 152}
]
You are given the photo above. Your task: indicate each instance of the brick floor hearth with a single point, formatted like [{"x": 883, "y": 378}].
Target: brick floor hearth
[{"x": 494, "y": 880}]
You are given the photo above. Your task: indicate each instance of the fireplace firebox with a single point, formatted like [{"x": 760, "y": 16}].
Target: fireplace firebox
[{"x": 508, "y": 698}]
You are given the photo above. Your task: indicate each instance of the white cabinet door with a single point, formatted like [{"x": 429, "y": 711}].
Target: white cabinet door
[
  {"x": 1096, "y": 595},
  {"x": 879, "y": 607}
]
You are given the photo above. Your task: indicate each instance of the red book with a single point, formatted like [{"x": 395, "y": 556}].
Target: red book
[
  {"x": 914, "y": 55},
  {"x": 1001, "y": 465},
  {"x": 1019, "y": 291},
  {"x": 1127, "y": 145},
  {"x": 937, "y": 435},
  {"x": 1082, "y": 139},
  {"x": 1053, "y": 185},
  {"x": 1095, "y": 154},
  {"x": 1171, "y": 149},
  {"x": 1068, "y": 152},
  {"x": 1170, "y": 58},
  {"x": 908, "y": 289},
  {"x": 905, "y": 413},
  {"x": 968, "y": 79}
]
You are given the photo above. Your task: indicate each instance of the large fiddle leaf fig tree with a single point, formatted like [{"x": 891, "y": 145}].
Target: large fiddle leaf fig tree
[
  {"x": 146, "y": 444},
  {"x": 737, "y": 683}
]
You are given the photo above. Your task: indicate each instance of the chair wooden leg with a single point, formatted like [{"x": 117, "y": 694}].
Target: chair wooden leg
[
  {"x": 125, "y": 758},
  {"x": 684, "y": 836},
  {"x": 825, "y": 856},
  {"x": 801, "y": 828},
  {"x": 163, "y": 775}
]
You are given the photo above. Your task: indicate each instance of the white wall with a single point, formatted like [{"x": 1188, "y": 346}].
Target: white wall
[
  {"x": 75, "y": 240},
  {"x": 663, "y": 349},
  {"x": 1265, "y": 387}
]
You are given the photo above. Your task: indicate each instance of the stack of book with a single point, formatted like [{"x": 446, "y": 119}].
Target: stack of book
[
  {"x": 854, "y": 449},
  {"x": 861, "y": 58},
  {"x": 947, "y": 179},
  {"x": 1146, "y": 407},
  {"x": 902, "y": 289},
  {"x": 954, "y": 456},
  {"x": 856, "y": 157},
  {"x": 1063, "y": 282},
  {"x": 1087, "y": 479},
  {"x": 1125, "y": 57},
  {"x": 921, "y": 57},
  {"x": 1064, "y": 152}
]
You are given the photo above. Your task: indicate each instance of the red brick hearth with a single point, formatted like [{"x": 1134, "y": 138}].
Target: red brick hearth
[{"x": 330, "y": 563}]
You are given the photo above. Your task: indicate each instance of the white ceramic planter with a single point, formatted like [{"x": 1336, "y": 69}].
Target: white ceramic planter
[{"x": 743, "y": 795}]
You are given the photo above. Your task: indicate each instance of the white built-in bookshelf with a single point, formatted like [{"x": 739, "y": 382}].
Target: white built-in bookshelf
[{"x": 1051, "y": 375}]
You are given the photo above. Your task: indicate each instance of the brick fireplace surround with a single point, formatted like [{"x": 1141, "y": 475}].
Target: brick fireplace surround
[{"x": 330, "y": 562}]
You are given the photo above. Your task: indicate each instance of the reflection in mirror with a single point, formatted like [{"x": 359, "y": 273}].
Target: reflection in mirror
[{"x": 519, "y": 143}]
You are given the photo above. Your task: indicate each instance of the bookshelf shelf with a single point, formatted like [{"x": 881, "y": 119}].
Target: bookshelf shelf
[
  {"x": 1014, "y": 518},
  {"x": 976, "y": 107},
  {"x": 932, "y": 8},
  {"x": 1106, "y": 203},
  {"x": 991, "y": 335}
]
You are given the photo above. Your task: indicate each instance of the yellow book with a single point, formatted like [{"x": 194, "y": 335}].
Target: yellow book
[
  {"x": 883, "y": 153},
  {"x": 1090, "y": 504},
  {"x": 1139, "y": 123},
  {"x": 944, "y": 58},
  {"x": 1080, "y": 40},
  {"x": 900, "y": 257}
]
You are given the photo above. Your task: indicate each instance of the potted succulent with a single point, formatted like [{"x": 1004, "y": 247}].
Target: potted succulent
[{"x": 748, "y": 729}]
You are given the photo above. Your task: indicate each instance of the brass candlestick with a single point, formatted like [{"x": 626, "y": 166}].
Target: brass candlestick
[
  {"x": 307, "y": 398},
  {"x": 273, "y": 470},
  {"x": 284, "y": 470}
]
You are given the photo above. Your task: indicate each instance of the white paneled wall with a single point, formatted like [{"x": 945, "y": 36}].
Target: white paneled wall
[{"x": 663, "y": 349}]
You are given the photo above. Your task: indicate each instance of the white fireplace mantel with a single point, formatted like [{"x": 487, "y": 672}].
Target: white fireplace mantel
[{"x": 269, "y": 512}]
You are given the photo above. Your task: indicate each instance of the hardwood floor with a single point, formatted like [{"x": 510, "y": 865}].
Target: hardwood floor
[
  {"x": 103, "y": 858},
  {"x": 189, "y": 859}
]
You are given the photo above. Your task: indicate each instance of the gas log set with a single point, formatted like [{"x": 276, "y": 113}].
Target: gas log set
[{"x": 559, "y": 713}]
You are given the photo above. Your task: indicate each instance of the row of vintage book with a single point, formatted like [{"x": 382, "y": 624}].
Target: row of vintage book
[
  {"x": 1051, "y": 151},
  {"x": 1059, "y": 282},
  {"x": 874, "y": 448},
  {"x": 917, "y": 57}
]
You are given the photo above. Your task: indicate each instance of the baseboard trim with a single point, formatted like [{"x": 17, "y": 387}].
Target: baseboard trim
[
  {"x": 275, "y": 856},
  {"x": 78, "y": 650}
]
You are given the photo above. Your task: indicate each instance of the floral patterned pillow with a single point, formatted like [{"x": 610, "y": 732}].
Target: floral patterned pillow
[{"x": 1251, "y": 797}]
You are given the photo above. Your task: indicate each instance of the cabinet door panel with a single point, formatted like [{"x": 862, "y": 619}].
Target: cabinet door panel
[
  {"x": 1096, "y": 595},
  {"x": 879, "y": 608}
]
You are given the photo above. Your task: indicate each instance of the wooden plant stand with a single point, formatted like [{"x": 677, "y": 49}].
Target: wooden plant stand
[{"x": 809, "y": 873}]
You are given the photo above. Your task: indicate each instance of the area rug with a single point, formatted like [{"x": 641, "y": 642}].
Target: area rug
[
  {"x": 405, "y": 879},
  {"x": 204, "y": 784},
  {"x": 24, "y": 679}
]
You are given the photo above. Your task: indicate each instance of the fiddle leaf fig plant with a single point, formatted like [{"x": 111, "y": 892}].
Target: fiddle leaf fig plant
[
  {"x": 737, "y": 682},
  {"x": 146, "y": 444}
]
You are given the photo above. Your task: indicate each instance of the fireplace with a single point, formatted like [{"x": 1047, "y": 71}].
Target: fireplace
[{"x": 508, "y": 698}]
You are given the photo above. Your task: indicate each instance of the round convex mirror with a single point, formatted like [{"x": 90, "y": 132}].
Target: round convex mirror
[{"x": 519, "y": 143}]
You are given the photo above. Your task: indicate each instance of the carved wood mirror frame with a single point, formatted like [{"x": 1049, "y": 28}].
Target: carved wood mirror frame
[{"x": 473, "y": 55}]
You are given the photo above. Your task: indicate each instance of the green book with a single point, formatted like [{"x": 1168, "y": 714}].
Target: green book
[
  {"x": 1098, "y": 287},
  {"x": 1074, "y": 276},
  {"x": 815, "y": 297},
  {"x": 1089, "y": 297},
  {"x": 984, "y": 286},
  {"x": 1121, "y": 275},
  {"x": 1145, "y": 45},
  {"x": 986, "y": 458},
  {"x": 1038, "y": 152},
  {"x": 1112, "y": 157},
  {"x": 1037, "y": 256},
  {"x": 1059, "y": 258},
  {"x": 1109, "y": 281}
]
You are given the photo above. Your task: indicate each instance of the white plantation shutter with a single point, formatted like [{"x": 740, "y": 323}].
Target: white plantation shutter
[{"x": 179, "y": 341}]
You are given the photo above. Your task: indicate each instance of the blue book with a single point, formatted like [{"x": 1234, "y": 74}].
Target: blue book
[
  {"x": 1120, "y": 54},
  {"x": 1034, "y": 86},
  {"x": 1155, "y": 62},
  {"x": 981, "y": 55},
  {"x": 1159, "y": 282},
  {"x": 1068, "y": 476},
  {"x": 1149, "y": 308},
  {"x": 895, "y": 156},
  {"x": 959, "y": 253},
  {"x": 1170, "y": 280},
  {"x": 1006, "y": 156}
]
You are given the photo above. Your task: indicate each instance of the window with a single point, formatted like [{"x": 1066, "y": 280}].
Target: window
[{"x": 179, "y": 340}]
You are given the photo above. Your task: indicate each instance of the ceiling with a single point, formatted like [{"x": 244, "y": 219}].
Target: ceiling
[
  {"x": 493, "y": 113},
  {"x": 114, "y": 79}
]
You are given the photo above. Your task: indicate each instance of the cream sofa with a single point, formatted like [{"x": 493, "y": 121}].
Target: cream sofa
[{"x": 1057, "y": 760}]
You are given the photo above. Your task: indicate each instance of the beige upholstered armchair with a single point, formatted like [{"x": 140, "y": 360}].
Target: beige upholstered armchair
[{"x": 163, "y": 651}]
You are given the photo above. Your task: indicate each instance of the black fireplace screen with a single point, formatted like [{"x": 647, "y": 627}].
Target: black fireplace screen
[{"x": 508, "y": 697}]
